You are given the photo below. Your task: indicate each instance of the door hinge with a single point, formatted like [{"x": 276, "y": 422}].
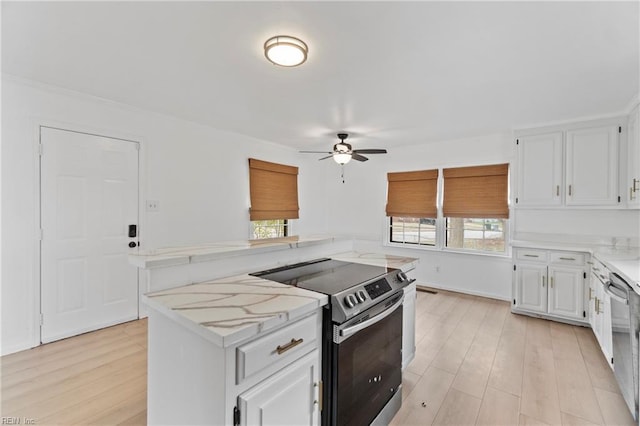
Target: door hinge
[
  {"x": 514, "y": 301},
  {"x": 517, "y": 141},
  {"x": 618, "y": 198},
  {"x": 236, "y": 416},
  {"x": 584, "y": 314},
  {"x": 611, "y": 360},
  {"x": 619, "y": 129},
  {"x": 584, "y": 275},
  {"x": 514, "y": 267},
  {"x": 516, "y": 200}
]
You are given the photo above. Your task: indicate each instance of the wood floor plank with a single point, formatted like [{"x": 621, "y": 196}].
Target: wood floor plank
[
  {"x": 540, "y": 398},
  {"x": 457, "y": 409},
  {"x": 427, "y": 396},
  {"x": 473, "y": 374},
  {"x": 614, "y": 409},
  {"x": 499, "y": 409},
  {"x": 508, "y": 363}
]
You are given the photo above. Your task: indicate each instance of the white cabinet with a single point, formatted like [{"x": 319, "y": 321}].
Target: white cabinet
[
  {"x": 631, "y": 185},
  {"x": 531, "y": 291},
  {"x": 549, "y": 283},
  {"x": 289, "y": 397},
  {"x": 540, "y": 170},
  {"x": 269, "y": 378},
  {"x": 574, "y": 165},
  {"x": 600, "y": 309},
  {"x": 592, "y": 166},
  {"x": 409, "y": 325}
]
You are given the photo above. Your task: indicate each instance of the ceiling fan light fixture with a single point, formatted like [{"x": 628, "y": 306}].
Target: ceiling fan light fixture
[
  {"x": 342, "y": 157},
  {"x": 286, "y": 51}
]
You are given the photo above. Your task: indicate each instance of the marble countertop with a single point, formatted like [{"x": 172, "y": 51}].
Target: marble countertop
[
  {"x": 229, "y": 310},
  {"x": 378, "y": 259},
  {"x": 172, "y": 256}
]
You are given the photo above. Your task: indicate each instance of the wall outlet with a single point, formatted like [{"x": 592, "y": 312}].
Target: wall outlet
[{"x": 153, "y": 205}]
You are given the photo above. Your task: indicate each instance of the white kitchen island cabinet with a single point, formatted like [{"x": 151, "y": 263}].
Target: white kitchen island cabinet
[
  {"x": 234, "y": 351},
  {"x": 550, "y": 284}
]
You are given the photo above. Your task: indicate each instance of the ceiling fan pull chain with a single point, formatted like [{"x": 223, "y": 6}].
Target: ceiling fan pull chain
[{"x": 342, "y": 174}]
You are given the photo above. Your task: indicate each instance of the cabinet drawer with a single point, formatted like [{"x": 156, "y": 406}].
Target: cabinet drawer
[
  {"x": 567, "y": 258},
  {"x": 288, "y": 343},
  {"x": 531, "y": 255}
]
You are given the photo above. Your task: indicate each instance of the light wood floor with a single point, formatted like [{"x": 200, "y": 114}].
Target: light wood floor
[
  {"x": 476, "y": 363},
  {"x": 95, "y": 378}
]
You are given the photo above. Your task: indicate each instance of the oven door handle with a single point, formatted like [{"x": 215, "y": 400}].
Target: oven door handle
[
  {"x": 612, "y": 294},
  {"x": 349, "y": 331}
]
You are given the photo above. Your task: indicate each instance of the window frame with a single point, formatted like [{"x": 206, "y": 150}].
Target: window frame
[
  {"x": 441, "y": 226},
  {"x": 286, "y": 224},
  {"x": 412, "y": 244}
]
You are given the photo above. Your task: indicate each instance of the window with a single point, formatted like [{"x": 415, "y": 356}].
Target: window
[
  {"x": 476, "y": 234},
  {"x": 411, "y": 207},
  {"x": 413, "y": 230},
  {"x": 476, "y": 207},
  {"x": 274, "y": 198},
  {"x": 275, "y": 228}
]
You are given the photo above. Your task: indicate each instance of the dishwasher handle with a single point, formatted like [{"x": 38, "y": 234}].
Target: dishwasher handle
[{"x": 617, "y": 288}]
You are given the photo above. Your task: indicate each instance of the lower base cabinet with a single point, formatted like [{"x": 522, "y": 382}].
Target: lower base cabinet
[
  {"x": 286, "y": 398},
  {"x": 550, "y": 283},
  {"x": 409, "y": 325}
]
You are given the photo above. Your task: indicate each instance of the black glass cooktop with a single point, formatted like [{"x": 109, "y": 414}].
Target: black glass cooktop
[{"x": 325, "y": 276}]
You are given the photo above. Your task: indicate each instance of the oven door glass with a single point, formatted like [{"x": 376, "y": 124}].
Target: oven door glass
[{"x": 368, "y": 370}]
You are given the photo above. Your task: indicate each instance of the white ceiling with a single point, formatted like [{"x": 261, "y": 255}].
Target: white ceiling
[{"x": 391, "y": 73}]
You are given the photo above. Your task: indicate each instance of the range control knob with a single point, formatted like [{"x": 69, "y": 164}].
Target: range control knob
[
  {"x": 350, "y": 301},
  {"x": 361, "y": 296},
  {"x": 402, "y": 277}
]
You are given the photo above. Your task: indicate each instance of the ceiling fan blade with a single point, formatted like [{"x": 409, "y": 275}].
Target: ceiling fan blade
[
  {"x": 324, "y": 158},
  {"x": 315, "y": 152},
  {"x": 370, "y": 151},
  {"x": 358, "y": 157}
]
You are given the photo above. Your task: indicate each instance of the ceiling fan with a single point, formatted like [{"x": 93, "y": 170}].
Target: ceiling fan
[{"x": 342, "y": 152}]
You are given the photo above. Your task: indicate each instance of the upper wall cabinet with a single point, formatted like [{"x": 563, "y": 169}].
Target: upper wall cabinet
[
  {"x": 570, "y": 166},
  {"x": 540, "y": 170},
  {"x": 631, "y": 186},
  {"x": 592, "y": 166}
]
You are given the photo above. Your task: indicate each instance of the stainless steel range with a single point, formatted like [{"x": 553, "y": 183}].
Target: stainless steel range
[{"x": 362, "y": 337}]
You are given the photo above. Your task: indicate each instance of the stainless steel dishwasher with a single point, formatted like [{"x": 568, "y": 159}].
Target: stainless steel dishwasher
[{"x": 625, "y": 324}]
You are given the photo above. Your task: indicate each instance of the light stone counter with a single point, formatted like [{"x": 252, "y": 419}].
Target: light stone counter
[
  {"x": 229, "y": 310},
  {"x": 173, "y": 256},
  {"x": 378, "y": 259}
]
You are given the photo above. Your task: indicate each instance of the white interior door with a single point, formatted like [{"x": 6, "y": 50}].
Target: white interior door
[{"x": 89, "y": 197}]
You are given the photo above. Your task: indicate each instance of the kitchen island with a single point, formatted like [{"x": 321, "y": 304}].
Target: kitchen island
[{"x": 239, "y": 349}]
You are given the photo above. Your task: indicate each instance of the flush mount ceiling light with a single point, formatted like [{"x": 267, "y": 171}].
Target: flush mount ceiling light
[{"x": 285, "y": 51}]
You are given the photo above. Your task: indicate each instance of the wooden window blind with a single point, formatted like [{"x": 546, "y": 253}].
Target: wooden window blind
[
  {"x": 412, "y": 194},
  {"x": 273, "y": 189},
  {"x": 476, "y": 192}
]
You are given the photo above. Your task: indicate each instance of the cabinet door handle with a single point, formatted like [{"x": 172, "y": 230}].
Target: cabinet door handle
[
  {"x": 569, "y": 190},
  {"x": 531, "y": 255},
  {"x": 631, "y": 191},
  {"x": 551, "y": 282},
  {"x": 590, "y": 293},
  {"x": 557, "y": 190},
  {"x": 293, "y": 343},
  {"x": 635, "y": 182},
  {"x": 567, "y": 258},
  {"x": 544, "y": 279}
]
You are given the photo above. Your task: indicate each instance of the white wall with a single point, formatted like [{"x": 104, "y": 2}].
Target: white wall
[
  {"x": 198, "y": 174},
  {"x": 357, "y": 209}
]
